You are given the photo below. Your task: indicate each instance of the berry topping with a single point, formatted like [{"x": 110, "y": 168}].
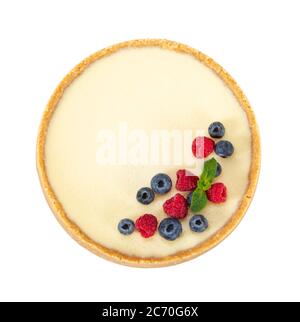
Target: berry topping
[
  {"x": 186, "y": 181},
  {"x": 189, "y": 198},
  {"x": 216, "y": 130},
  {"x": 146, "y": 225},
  {"x": 202, "y": 147},
  {"x": 126, "y": 226},
  {"x": 176, "y": 207},
  {"x": 224, "y": 149},
  {"x": 198, "y": 223},
  {"x": 161, "y": 183},
  {"x": 170, "y": 228},
  {"x": 219, "y": 170},
  {"x": 145, "y": 196},
  {"x": 217, "y": 193}
]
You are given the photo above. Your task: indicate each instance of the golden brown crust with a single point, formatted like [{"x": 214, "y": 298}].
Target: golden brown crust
[{"x": 113, "y": 255}]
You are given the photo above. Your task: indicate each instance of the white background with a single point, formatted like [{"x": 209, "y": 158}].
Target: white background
[{"x": 257, "y": 42}]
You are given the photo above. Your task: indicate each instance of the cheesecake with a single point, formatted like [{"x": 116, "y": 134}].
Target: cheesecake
[{"x": 117, "y": 159}]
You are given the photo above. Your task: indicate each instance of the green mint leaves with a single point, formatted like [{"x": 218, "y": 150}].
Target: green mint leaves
[
  {"x": 199, "y": 199},
  {"x": 208, "y": 174}
]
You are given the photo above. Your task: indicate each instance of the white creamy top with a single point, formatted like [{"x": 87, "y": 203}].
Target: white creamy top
[{"x": 145, "y": 89}]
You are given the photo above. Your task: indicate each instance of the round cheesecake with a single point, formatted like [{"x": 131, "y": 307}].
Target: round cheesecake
[{"x": 125, "y": 114}]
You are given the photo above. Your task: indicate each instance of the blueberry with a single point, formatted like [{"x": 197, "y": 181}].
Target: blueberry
[
  {"x": 219, "y": 169},
  {"x": 145, "y": 196},
  {"x": 216, "y": 130},
  {"x": 170, "y": 228},
  {"x": 198, "y": 223},
  {"x": 224, "y": 149},
  {"x": 161, "y": 183},
  {"x": 189, "y": 198},
  {"x": 126, "y": 226}
]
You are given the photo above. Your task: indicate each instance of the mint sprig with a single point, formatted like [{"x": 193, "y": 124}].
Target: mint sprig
[
  {"x": 208, "y": 174},
  {"x": 199, "y": 199}
]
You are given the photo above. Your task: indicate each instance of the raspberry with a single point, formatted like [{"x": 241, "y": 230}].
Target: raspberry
[
  {"x": 217, "y": 193},
  {"x": 202, "y": 147},
  {"x": 176, "y": 207},
  {"x": 146, "y": 225},
  {"x": 186, "y": 181}
]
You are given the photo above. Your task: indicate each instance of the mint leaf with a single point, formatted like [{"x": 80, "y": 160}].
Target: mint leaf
[
  {"x": 208, "y": 174},
  {"x": 210, "y": 167},
  {"x": 199, "y": 200}
]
